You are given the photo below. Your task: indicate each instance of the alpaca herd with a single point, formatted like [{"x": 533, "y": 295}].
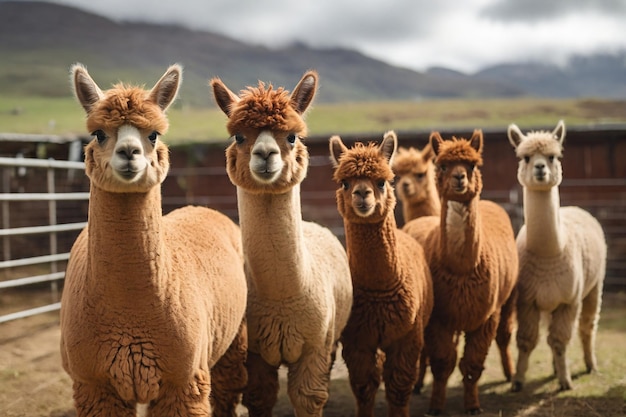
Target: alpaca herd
[{"x": 191, "y": 314}]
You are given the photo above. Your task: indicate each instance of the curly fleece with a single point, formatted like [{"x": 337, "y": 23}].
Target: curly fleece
[
  {"x": 127, "y": 105},
  {"x": 457, "y": 149},
  {"x": 265, "y": 108},
  {"x": 363, "y": 161}
]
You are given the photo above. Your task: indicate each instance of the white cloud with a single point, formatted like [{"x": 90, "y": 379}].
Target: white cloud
[{"x": 411, "y": 33}]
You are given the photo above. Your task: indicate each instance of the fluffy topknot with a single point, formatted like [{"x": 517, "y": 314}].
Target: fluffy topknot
[{"x": 363, "y": 161}]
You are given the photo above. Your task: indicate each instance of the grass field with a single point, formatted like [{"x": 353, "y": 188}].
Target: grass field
[{"x": 64, "y": 116}]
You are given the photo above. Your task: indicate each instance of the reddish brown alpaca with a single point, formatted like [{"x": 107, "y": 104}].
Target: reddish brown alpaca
[
  {"x": 393, "y": 296},
  {"x": 415, "y": 183},
  {"x": 473, "y": 260}
]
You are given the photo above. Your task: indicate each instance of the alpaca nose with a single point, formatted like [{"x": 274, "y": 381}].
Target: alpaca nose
[
  {"x": 264, "y": 152},
  {"x": 362, "y": 193},
  {"x": 460, "y": 176},
  {"x": 128, "y": 150},
  {"x": 540, "y": 166}
]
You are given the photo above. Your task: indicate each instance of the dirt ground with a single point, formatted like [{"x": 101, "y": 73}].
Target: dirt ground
[{"x": 33, "y": 384}]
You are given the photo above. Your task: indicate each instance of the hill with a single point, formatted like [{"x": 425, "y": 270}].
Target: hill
[{"x": 39, "y": 41}]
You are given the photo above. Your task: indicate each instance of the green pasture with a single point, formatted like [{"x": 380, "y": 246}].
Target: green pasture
[{"x": 64, "y": 116}]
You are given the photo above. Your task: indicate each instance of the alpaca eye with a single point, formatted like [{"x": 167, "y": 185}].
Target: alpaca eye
[
  {"x": 381, "y": 184},
  {"x": 551, "y": 158},
  {"x": 239, "y": 138},
  {"x": 420, "y": 175},
  {"x": 443, "y": 167},
  {"x": 472, "y": 168},
  {"x": 152, "y": 137},
  {"x": 345, "y": 185},
  {"x": 100, "y": 136},
  {"x": 291, "y": 138},
  {"x": 527, "y": 159}
]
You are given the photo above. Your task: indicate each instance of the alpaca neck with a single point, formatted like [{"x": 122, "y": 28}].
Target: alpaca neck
[
  {"x": 460, "y": 235},
  {"x": 372, "y": 254},
  {"x": 125, "y": 251},
  {"x": 273, "y": 242},
  {"x": 541, "y": 216},
  {"x": 429, "y": 207}
]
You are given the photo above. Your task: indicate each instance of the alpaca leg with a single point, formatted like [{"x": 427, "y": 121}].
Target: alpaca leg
[
  {"x": 588, "y": 325},
  {"x": 559, "y": 335},
  {"x": 308, "y": 382},
  {"x": 528, "y": 316},
  {"x": 229, "y": 376},
  {"x": 98, "y": 401},
  {"x": 421, "y": 373},
  {"x": 400, "y": 373},
  {"x": 261, "y": 393},
  {"x": 441, "y": 349},
  {"x": 364, "y": 371},
  {"x": 184, "y": 401},
  {"x": 503, "y": 335},
  {"x": 472, "y": 364}
]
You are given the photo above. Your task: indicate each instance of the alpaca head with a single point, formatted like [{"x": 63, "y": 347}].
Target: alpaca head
[
  {"x": 538, "y": 152},
  {"x": 414, "y": 171},
  {"x": 126, "y": 154},
  {"x": 364, "y": 174},
  {"x": 267, "y": 126},
  {"x": 456, "y": 166}
]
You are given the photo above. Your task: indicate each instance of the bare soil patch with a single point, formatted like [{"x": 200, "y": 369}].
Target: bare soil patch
[{"x": 33, "y": 384}]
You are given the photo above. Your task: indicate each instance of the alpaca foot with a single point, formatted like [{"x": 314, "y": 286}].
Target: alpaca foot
[
  {"x": 417, "y": 389},
  {"x": 432, "y": 412},
  {"x": 474, "y": 411},
  {"x": 516, "y": 386},
  {"x": 592, "y": 370},
  {"x": 565, "y": 386}
]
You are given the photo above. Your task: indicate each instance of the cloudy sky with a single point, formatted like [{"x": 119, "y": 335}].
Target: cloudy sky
[{"x": 465, "y": 35}]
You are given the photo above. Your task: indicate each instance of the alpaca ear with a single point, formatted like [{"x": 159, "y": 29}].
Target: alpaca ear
[
  {"x": 428, "y": 152},
  {"x": 303, "y": 94},
  {"x": 559, "y": 131},
  {"x": 337, "y": 148},
  {"x": 515, "y": 135},
  {"x": 388, "y": 146},
  {"x": 224, "y": 98},
  {"x": 85, "y": 88},
  {"x": 476, "y": 141},
  {"x": 434, "y": 141},
  {"x": 165, "y": 90}
]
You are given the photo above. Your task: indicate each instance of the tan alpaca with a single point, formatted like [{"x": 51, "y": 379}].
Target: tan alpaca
[
  {"x": 393, "y": 294},
  {"x": 415, "y": 183},
  {"x": 150, "y": 302},
  {"x": 562, "y": 258},
  {"x": 300, "y": 293},
  {"x": 473, "y": 261}
]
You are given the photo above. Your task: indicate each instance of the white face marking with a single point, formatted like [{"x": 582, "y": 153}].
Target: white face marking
[
  {"x": 539, "y": 172},
  {"x": 129, "y": 157},
  {"x": 266, "y": 162},
  {"x": 456, "y": 218},
  {"x": 142, "y": 410}
]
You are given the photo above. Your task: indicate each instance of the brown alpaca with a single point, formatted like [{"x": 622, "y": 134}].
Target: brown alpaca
[
  {"x": 393, "y": 294},
  {"x": 300, "y": 292},
  {"x": 473, "y": 261},
  {"x": 415, "y": 183},
  {"x": 150, "y": 302}
]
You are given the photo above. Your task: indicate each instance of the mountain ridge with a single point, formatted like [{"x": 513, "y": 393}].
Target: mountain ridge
[{"x": 39, "y": 41}]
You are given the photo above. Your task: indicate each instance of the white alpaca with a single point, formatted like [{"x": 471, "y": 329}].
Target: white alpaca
[
  {"x": 562, "y": 253},
  {"x": 300, "y": 291},
  {"x": 151, "y": 302}
]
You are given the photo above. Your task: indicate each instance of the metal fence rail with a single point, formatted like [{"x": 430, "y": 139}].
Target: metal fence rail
[{"x": 51, "y": 229}]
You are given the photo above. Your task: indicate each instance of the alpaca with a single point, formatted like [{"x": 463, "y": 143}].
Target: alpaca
[
  {"x": 300, "y": 292},
  {"x": 417, "y": 190},
  {"x": 415, "y": 182},
  {"x": 393, "y": 294},
  {"x": 562, "y": 252},
  {"x": 473, "y": 261},
  {"x": 150, "y": 302}
]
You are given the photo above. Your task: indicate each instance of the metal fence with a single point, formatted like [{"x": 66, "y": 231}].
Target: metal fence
[{"x": 52, "y": 229}]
